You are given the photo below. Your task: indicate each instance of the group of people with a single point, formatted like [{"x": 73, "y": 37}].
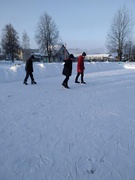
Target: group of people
[{"x": 67, "y": 70}]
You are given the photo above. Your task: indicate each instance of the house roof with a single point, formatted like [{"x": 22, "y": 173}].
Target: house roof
[
  {"x": 57, "y": 49},
  {"x": 61, "y": 48}
]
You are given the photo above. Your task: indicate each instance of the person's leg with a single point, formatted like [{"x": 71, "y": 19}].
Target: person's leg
[
  {"x": 26, "y": 78},
  {"x": 32, "y": 78},
  {"x": 82, "y": 81},
  {"x": 82, "y": 77},
  {"x": 65, "y": 82},
  {"x": 77, "y": 76}
]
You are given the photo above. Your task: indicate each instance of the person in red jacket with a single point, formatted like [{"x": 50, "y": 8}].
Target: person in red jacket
[{"x": 80, "y": 68}]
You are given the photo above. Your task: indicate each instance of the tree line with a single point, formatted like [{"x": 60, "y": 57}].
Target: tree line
[
  {"x": 120, "y": 38},
  {"x": 46, "y": 36}
]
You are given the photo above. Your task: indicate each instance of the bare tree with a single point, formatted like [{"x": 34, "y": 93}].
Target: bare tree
[
  {"x": 10, "y": 42},
  {"x": 25, "y": 45},
  {"x": 120, "y": 32},
  {"x": 47, "y": 34}
]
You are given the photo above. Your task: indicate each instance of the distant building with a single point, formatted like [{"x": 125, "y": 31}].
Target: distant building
[
  {"x": 24, "y": 54},
  {"x": 61, "y": 53},
  {"x": 98, "y": 57},
  {"x": 57, "y": 54}
]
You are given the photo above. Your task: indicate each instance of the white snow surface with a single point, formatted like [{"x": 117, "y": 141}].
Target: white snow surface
[{"x": 86, "y": 132}]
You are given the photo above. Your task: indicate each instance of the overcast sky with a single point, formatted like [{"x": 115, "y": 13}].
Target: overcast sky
[{"x": 81, "y": 23}]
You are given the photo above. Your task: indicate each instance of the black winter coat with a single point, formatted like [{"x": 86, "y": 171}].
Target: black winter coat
[
  {"x": 29, "y": 66},
  {"x": 67, "y": 70}
]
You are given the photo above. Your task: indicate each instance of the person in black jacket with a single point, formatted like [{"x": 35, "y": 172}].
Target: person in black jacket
[
  {"x": 67, "y": 70},
  {"x": 29, "y": 70}
]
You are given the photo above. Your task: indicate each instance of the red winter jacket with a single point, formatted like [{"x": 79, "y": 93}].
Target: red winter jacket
[{"x": 80, "y": 64}]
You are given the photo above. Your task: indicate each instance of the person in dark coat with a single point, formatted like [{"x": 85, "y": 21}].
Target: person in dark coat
[
  {"x": 80, "y": 68},
  {"x": 67, "y": 70},
  {"x": 29, "y": 70}
]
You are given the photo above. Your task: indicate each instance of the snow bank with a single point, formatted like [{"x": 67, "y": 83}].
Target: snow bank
[{"x": 16, "y": 71}]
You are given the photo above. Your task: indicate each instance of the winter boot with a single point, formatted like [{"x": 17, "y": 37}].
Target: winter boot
[
  {"x": 77, "y": 81},
  {"x": 83, "y": 82},
  {"x": 33, "y": 82},
  {"x": 25, "y": 83},
  {"x": 67, "y": 87},
  {"x": 64, "y": 84}
]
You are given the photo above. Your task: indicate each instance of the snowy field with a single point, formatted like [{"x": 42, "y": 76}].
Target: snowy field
[{"x": 51, "y": 133}]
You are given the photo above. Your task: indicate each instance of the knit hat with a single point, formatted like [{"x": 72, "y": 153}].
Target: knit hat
[
  {"x": 32, "y": 57},
  {"x": 83, "y": 54},
  {"x": 71, "y": 56}
]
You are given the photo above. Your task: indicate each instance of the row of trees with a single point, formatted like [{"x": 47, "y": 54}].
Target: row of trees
[
  {"x": 47, "y": 35},
  {"x": 119, "y": 38}
]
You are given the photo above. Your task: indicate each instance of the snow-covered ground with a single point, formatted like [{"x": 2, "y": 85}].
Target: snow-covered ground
[{"x": 51, "y": 133}]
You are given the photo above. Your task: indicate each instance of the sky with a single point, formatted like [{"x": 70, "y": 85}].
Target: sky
[
  {"x": 86, "y": 132},
  {"x": 81, "y": 23}
]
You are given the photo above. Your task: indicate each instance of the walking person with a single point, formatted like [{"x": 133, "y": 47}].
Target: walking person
[
  {"x": 29, "y": 71},
  {"x": 80, "y": 68},
  {"x": 67, "y": 70}
]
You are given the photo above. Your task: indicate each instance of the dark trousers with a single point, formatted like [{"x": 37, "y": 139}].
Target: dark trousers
[
  {"x": 66, "y": 80},
  {"x": 27, "y": 76},
  {"x": 78, "y": 74}
]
